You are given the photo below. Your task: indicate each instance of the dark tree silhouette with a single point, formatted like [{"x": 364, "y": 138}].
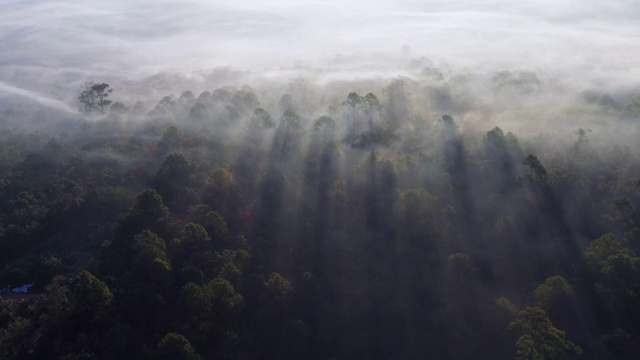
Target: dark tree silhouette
[{"x": 94, "y": 97}]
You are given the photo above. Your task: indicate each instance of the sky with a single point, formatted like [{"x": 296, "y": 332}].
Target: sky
[{"x": 49, "y": 46}]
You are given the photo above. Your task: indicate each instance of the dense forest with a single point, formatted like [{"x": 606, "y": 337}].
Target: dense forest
[{"x": 442, "y": 215}]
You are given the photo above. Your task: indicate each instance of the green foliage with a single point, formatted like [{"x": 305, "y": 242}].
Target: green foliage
[
  {"x": 222, "y": 193},
  {"x": 622, "y": 210},
  {"x": 173, "y": 179},
  {"x": 199, "y": 111},
  {"x": 231, "y": 263},
  {"x": 56, "y": 303},
  {"x": 353, "y": 102},
  {"x": 539, "y": 339},
  {"x": 621, "y": 277},
  {"x": 14, "y": 339},
  {"x": 221, "y": 180},
  {"x": 149, "y": 240},
  {"x": 553, "y": 290},
  {"x": 371, "y": 104},
  {"x": 147, "y": 213},
  {"x": 217, "y": 224},
  {"x": 175, "y": 346},
  {"x": 366, "y": 226},
  {"x": 600, "y": 249},
  {"x": 326, "y": 126},
  {"x": 507, "y": 307},
  {"x": 94, "y": 97},
  {"x": 398, "y": 103},
  {"x": 224, "y": 295},
  {"x": 526, "y": 349},
  {"x": 616, "y": 271},
  {"x": 194, "y": 234},
  {"x": 261, "y": 119},
  {"x": 504, "y": 224},
  {"x": 495, "y": 138},
  {"x": 174, "y": 165},
  {"x": 460, "y": 264},
  {"x": 151, "y": 262},
  {"x": 172, "y": 138},
  {"x": 91, "y": 296},
  {"x": 536, "y": 170},
  {"x": 290, "y": 121},
  {"x": 418, "y": 203},
  {"x": 194, "y": 300},
  {"x": 149, "y": 204},
  {"x": 244, "y": 101},
  {"x": 279, "y": 288}
]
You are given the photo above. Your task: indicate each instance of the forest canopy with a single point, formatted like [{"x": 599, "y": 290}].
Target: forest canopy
[{"x": 451, "y": 213}]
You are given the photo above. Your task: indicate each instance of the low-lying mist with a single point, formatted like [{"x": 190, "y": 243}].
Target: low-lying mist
[
  {"x": 320, "y": 179},
  {"x": 53, "y": 48}
]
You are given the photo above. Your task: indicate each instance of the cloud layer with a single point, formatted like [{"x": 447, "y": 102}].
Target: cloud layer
[{"x": 71, "y": 41}]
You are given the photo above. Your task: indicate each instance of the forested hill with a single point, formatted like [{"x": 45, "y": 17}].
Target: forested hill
[{"x": 395, "y": 219}]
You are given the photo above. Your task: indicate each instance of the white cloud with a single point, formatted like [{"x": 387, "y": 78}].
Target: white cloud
[{"x": 77, "y": 40}]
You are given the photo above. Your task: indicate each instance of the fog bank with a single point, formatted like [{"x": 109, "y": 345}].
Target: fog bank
[{"x": 53, "y": 46}]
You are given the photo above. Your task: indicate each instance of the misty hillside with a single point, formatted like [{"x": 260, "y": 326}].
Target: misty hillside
[
  {"x": 458, "y": 215},
  {"x": 319, "y": 180}
]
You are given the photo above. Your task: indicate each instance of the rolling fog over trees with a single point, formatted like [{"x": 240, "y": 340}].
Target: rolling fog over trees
[{"x": 354, "y": 180}]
